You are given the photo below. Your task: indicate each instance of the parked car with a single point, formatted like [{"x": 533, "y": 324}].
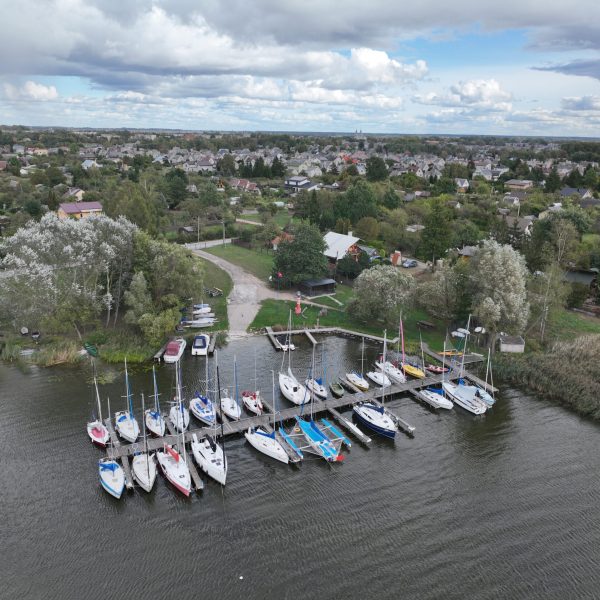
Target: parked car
[{"x": 409, "y": 263}]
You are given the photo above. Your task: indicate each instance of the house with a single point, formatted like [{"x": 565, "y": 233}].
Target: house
[
  {"x": 467, "y": 252},
  {"x": 282, "y": 237},
  {"x": 523, "y": 224},
  {"x": 90, "y": 164},
  {"x": 514, "y": 198},
  {"x": 243, "y": 185},
  {"x": 299, "y": 183},
  {"x": 583, "y": 193},
  {"x": 74, "y": 193},
  {"x": 340, "y": 245},
  {"x": 415, "y": 228},
  {"x": 79, "y": 210},
  {"x": 512, "y": 343},
  {"x": 372, "y": 253},
  {"x": 462, "y": 185},
  {"x": 519, "y": 184}
]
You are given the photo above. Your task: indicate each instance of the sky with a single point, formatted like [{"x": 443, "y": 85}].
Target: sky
[{"x": 525, "y": 67}]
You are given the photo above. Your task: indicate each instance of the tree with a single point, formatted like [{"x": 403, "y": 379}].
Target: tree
[
  {"x": 303, "y": 257},
  {"x": 376, "y": 169},
  {"x": 54, "y": 176},
  {"x": 391, "y": 199},
  {"x": 227, "y": 165},
  {"x": 443, "y": 295},
  {"x": 348, "y": 267},
  {"x": 277, "y": 168},
  {"x": 382, "y": 293},
  {"x": 498, "y": 276},
  {"x": 367, "y": 228},
  {"x": 136, "y": 203},
  {"x": 137, "y": 299},
  {"x": 176, "y": 182},
  {"x": 436, "y": 238},
  {"x": 553, "y": 181},
  {"x": 359, "y": 201}
]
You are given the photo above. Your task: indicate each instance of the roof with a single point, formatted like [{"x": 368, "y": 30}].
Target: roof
[
  {"x": 511, "y": 339},
  {"x": 338, "y": 244},
  {"x": 72, "y": 208},
  {"x": 317, "y": 282},
  {"x": 468, "y": 250},
  {"x": 581, "y": 276}
]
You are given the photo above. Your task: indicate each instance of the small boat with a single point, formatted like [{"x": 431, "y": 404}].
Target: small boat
[
  {"x": 252, "y": 401},
  {"x": 112, "y": 476},
  {"x": 229, "y": 406},
  {"x": 89, "y": 348},
  {"x": 179, "y": 415},
  {"x": 203, "y": 315},
  {"x": 285, "y": 343},
  {"x": 198, "y": 323},
  {"x": 391, "y": 370},
  {"x": 97, "y": 430},
  {"x": 412, "y": 370},
  {"x": 336, "y": 389},
  {"x": 125, "y": 423},
  {"x": 376, "y": 418},
  {"x": 154, "y": 421},
  {"x": 435, "y": 397},
  {"x": 175, "y": 469},
  {"x": 266, "y": 443},
  {"x": 437, "y": 369},
  {"x": 379, "y": 378},
  {"x": 316, "y": 387},
  {"x": 201, "y": 309},
  {"x": 357, "y": 380},
  {"x": 210, "y": 458},
  {"x": 200, "y": 344},
  {"x": 174, "y": 350},
  {"x": 292, "y": 390}
]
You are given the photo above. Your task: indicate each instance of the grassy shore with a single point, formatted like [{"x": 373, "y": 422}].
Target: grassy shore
[
  {"x": 275, "y": 313},
  {"x": 258, "y": 263}
]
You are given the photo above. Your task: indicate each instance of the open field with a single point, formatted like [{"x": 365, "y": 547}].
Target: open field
[{"x": 258, "y": 263}]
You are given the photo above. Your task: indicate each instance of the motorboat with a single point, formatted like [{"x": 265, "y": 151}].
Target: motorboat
[
  {"x": 437, "y": 369},
  {"x": 210, "y": 457},
  {"x": 200, "y": 344},
  {"x": 379, "y": 378},
  {"x": 175, "y": 469},
  {"x": 112, "y": 476},
  {"x": 376, "y": 418},
  {"x": 174, "y": 350}
]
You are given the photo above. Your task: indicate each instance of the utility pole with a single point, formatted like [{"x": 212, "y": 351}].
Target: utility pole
[
  {"x": 223, "y": 223},
  {"x": 198, "y": 240}
]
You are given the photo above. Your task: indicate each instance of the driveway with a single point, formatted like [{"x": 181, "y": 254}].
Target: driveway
[{"x": 247, "y": 293}]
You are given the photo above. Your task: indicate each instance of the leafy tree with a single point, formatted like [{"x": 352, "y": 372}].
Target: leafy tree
[
  {"x": 367, "y": 228},
  {"x": 391, "y": 199},
  {"x": 444, "y": 185},
  {"x": 351, "y": 171},
  {"x": 302, "y": 258},
  {"x": 358, "y": 202},
  {"x": 313, "y": 212},
  {"x": 156, "y": 327},
  {"x": 553, "y": 182},
  {"x": 227, "y": 165},
  {"x": 376, "y": 169},
  {"x": 351, "y": 268},
  {"x": 277, "y": 168},
  {"x": 136, "y": 203},
  {"x": 498, "y": 277},
  {"x": 382, "y": 293},
  {"x": 176, "y": 182},
  {"x": 443, "y": 295},
  {"x": 54, "y": 176},
  {"x": 14, "y": 166},
  {"x": 137, "y": 299},
  {"x": 436, "y": 238}
]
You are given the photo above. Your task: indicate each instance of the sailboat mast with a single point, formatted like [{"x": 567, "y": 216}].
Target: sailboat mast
[
  {"x": 110, "y": 425},
  {"x": 273, "y": 392},
  {"x": 462, "y": 365},
  {"x": 384, "y": 376},
  {"x": 145, "y": 441},
  {"x": 98, "y": 399},
  {"x": 128, "y": 392},
  {"x": 235, "y": 381},
  {"x": 156, "y": 406},
  {"x": 362, "y": 357},
  {"x": 422, "y": 352},
  {"x": 220, "y": 409}
]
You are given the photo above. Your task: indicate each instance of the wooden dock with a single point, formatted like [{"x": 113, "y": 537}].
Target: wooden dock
[
  {"x": 213, "y": 341},
  {"x": 158, "y": 356}
]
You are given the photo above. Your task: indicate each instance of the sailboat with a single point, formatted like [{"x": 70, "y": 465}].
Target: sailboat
[
  {"x": 229, "y": 404},
  {"x": 126, "y": 425},
  {"x": 112, "y": 476},
  {"x": 251, "y": 399},
  {"x": 409, "y": 369},
  {"x": 357, "y": 379},
  {"x": 295, "y": 392},
  {"x": 391, "y": 370},
  {"x": 179, "y": 414},
  {"x": 173, "y": 465},
  {"x": 375, "y": 416},
  {"x": 464, "y": 395},
  {"x": 155, "y": 422},
  {"x": 97, "y": 430},
  {"x": 379, "y": 377},
  {"x": 315, "y": 385},
  {"x": 201, "y": 406},
  {"x": 143, "y": 466},
  {"x": 265, "y": 441}
]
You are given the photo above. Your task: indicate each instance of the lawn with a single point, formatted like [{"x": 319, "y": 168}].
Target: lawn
[
  {"x": 276, "y": 312},
  {"x": 217, "y": 278},
  {"x": 567, "y": 325},
  {"x": 282, "y": 218},
  {"x": 253, "y": 261}
]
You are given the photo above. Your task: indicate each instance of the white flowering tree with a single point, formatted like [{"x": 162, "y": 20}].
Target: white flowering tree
[
  {"x": 60, "y": 273},
  {"x": 498, "y": 275},
  {"x": 382, "y": 293}
]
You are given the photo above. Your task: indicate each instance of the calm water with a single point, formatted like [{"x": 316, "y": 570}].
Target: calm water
[{"x": 500, "y": 507}]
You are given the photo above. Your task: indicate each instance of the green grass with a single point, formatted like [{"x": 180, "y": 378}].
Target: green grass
[
  {"x": 282, "y": 218},
  {"x": 216, "y": 277},
  {"x": 590, "y": 238},
  {"x": 276, "y": 312},
  {"x": 253, "y": 261},
  {"x": 567, "y": 324}
]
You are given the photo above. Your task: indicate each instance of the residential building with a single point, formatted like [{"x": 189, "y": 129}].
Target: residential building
[{"x": 79, "y": 210}]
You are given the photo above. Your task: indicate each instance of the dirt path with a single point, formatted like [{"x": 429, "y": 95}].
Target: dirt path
[{"x": 245, "y": 297}]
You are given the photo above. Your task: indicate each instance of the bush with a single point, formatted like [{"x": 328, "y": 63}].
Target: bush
[{"x": 578, "y": 295}]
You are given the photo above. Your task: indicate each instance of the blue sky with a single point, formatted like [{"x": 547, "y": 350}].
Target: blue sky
[{"x": 523, "y": 67}]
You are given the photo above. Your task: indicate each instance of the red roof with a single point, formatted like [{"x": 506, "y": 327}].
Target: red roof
[{"x": 73, "y": 208}]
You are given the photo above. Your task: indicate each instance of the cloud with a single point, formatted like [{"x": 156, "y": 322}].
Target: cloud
[
  {"x": 30, "y": 90},
  {"x": 581, "y": 103},
  {"x": 477, "y": 93},
  {"x": 582, "y": 68}
]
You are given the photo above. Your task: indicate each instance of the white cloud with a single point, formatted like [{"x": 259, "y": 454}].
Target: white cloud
[
  {"x": 30, "y": 90},
  {"x": 581, "y": 103},
  {"x": 477, "y": 93}
]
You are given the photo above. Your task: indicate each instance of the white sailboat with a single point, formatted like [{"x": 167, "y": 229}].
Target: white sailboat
[
  {"x": 251, "y": 399},
  {"x": 155, "y": 422},
  {"x": 315, "y": 385},
  {"x": 210, "y": 457},
  {"x": 143, "y": 466},
  {"x": 391, "y": 370},
  {"x": 265, "y": 441},
  {"x": 229, "y": 404},
  {"x": 202, "y": 407},
  {"x": 179, "y": 415},
  {"x": 112, "y": 476},
  {"x": 435, "y": 398},
  {"x": 126, "y": 425},
  {"x": 357, "y": 379},
  {"x": 375, "y": 416},
  {"x": 173, "y": 465},
  {"x": 291, "y": 389},
  {"x": 379, "y": 378},
  {"x": 97, "y": 430}
]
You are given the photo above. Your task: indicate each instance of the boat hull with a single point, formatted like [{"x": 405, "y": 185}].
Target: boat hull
[
  {"x": 127, "y": 427},
  {"x": 178, "y": 475},
  {"x": 378, "y": 426},
  {"x": 155, "y": 425},
  {"x": 211, "y": 460},
  {"x": 112, "y": 477},
  {"x": 435, "y": 400},
  {"x": 294, "y": 392},
  {"x": 98, "y": 434},
  {"x": 379, "y": 378},
  {"x": 336, "y": 390},
  {"x": 266, "y": 445},
  {"x": 202, "y": 412},
  {"x": 252, "y": 402},
  {"x": 231, "y": 408},
  {"x": 143, "y": 469},
  {"x": 179, "y": 417},
  {"x": 462, "y": 398},
  {"x": 358, "y": 381}
]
